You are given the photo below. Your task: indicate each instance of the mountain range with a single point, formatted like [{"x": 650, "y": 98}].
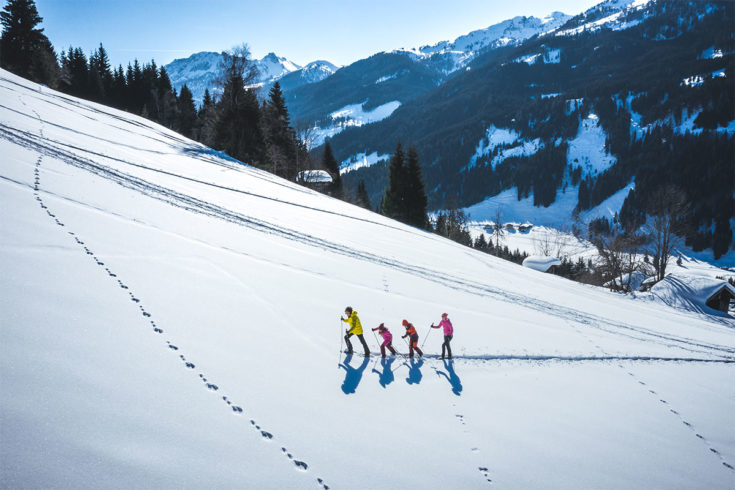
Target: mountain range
[
  {"x": 200, "y": 71},
  {"x": 561, "y": 113}
]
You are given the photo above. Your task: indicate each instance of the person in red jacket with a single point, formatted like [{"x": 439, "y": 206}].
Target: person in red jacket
[
  {"x": 448, "y": 333},
  {"x": 413, "y": 339}
]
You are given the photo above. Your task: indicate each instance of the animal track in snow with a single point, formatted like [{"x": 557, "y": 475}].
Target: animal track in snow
[{"x": 236, "y": 409}]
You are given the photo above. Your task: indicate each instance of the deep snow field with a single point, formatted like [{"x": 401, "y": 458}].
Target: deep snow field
[{"x": 170, "y": 319}]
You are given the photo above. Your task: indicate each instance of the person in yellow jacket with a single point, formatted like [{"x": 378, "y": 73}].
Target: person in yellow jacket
[{"x": 355, "y": 329}]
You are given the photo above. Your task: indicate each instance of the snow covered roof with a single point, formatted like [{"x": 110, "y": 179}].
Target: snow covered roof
[
  {"x": 690, "y": 293},
  {"x": 314, "y": 176},
  {"x": 540, "y": 263}
]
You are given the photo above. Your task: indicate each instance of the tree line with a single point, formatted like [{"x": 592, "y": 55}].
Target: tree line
[{"x": 258, "y": 133}]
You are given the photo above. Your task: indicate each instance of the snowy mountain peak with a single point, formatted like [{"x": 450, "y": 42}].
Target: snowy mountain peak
[
  {"x": 271, "y": 67},
  {"x": 609, "y": 14},
  {"x": 321, "y": 65},
  {"x": 199, "y": 71},
  {"x": 511, "y": 31}
]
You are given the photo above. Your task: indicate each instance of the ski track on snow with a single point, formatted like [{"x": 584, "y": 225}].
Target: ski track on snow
[
  {"x": 195, "y": 205},
  {"x": 236, "y": 409},
  {"x": 56, "y": 150},
  {"x": 651, "y": 391}
]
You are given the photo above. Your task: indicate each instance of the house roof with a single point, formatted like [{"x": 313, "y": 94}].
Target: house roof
[
  {"x": 540, "y": 263},
  {"x": 690, "y": 292},
  {"x": 315, "y": 176}
]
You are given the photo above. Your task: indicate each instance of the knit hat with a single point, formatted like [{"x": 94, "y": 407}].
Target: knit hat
[{"x": 404, "y": 323}]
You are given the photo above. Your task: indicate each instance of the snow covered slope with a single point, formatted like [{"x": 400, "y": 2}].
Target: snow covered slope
[{"x": 169, "y": 318}]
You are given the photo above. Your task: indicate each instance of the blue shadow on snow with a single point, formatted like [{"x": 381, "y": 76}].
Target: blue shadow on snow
[
  {"x": 386, "y": 376},
  {"x": 353, "y": 376},
  {"x": 414, "y": 371},
  {"x": 451, "y": 377}
]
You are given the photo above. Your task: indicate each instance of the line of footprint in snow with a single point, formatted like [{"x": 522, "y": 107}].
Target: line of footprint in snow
[
  {"x": 652, "y": 392},
  {"x": 236, "y": 409},
  {"x": 484, "y": 471}
]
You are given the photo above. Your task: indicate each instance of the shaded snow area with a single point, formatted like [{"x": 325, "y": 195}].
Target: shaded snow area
[
  {"x": 684, "y": 124},
  {"x": 558, "y": 214},
  {"x": 711, "y": 53},
  {"x": 697, "y": 80},
  {"x": 170, "y": 319},
  {"x": 500, "y": 144},
  {"x": 353, "y": 115},
  {"x": 361, "y": 160},
  {"x": 552, "y": 56},
  {"x": 587, "y": 149}
]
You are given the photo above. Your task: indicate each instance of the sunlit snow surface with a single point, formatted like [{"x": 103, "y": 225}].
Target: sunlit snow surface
[
  {"x": 170, "y": 319},
  {"x": 588, "y": 149},
  {"x": 361, "y": 160},
  {"x": 353, "y": 115}
]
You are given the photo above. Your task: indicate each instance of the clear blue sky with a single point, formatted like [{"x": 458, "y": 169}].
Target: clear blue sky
[{"x": 341, "y": 31}]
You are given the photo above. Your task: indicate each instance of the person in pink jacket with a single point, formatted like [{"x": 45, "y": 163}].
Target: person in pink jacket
[
  {"x": 448, "y": 333},
  {"x": 387, "y": 339}
]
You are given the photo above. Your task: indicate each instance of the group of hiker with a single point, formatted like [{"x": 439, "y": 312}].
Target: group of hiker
[{"x": 355, "y": 328}]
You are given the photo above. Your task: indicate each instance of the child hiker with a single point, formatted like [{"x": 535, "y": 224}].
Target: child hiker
[
  {"x": 387, "y": 339},
  {"x": 448, "y": 332},
  {"x": 413, "y": 339},
  {"x": 355, "y": 329}
]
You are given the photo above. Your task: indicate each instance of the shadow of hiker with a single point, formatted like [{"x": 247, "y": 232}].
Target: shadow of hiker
[
  {"x": 451, "y": 377},
  {"x": 386, "y": 377},
  {"x": 353, "y": 376},
  {"x": 414, "y": 371}
]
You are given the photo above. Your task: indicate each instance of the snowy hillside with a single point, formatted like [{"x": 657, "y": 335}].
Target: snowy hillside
[{"x": 170, "y": 318}]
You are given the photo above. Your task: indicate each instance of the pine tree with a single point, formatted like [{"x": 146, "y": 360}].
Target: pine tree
[
  {"x": 329, "y": 163},
  {"x": 167, "y": 103},
  {"x": 207, "y": 121},
  {"x": 75, "y": 73},
  {"x": 361, "y": 198},
  {"x": 24, "y": 48},
  {"x": 394, "y": 203},
  {"x": 281, "y": 136},
  {"x": 187, "y": 112},
  {"x": 416, "y": 200},
  {"x": 238, "y": 128}
]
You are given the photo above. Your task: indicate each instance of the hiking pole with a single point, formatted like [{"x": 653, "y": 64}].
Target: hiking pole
[
  {"x": 376, "y": 341},
  {"x": 407, "y": 345},
  {"x": 426, "y": 338},
  {"x": 339, "y": 358}
]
